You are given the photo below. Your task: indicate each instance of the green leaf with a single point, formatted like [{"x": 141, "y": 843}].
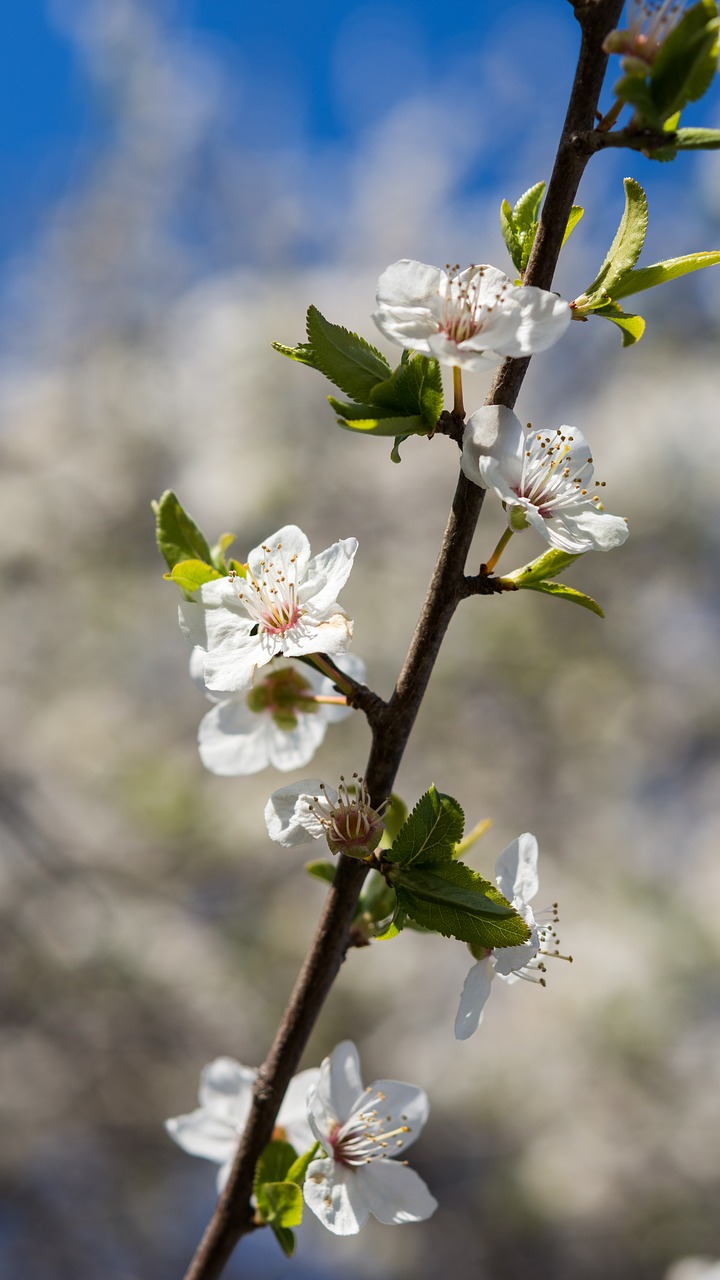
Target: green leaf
[
  {"x": 527, "y": 208},
  {"x": 395, "y": 451},
  {"x": 431, "y": 831},
  {"x": 395, "y": 815},
  {"x": 548, "y": 565},
  {"x": 178, "y": 537},
  {"x": 661, "y": 272},
  {"x": 697, "y": 139},
  {"x": 378, "y": 426},
  {"x": 624, "y": 250},
  {"x": 565, "y": 593},
  {"x": 191, "y": 574},
  {"x": 686, "y": 63},
  {"x": 632, "y": 327},
  {"x": 415, "y": 387},
  {"x": 455, "y": 901},
  {"x": 296, "y": 1172},
  {"x": 377, "y": 901},
  {"x": 576, "y": 213},
  {"x": 285, "y": 1239},
  {"x": 321, "y": 869},
  {"x": 217, "y": 553},
  {"x": 274, "y": 1163},
  {"x": 507, "y": 226},
  {"x": 350, "y": 362},
  {"x": 634, "y": 89},
  {"x": 280, "y": 1204}
]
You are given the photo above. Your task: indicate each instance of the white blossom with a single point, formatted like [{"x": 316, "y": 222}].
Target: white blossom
[
  {"x": 545, "y": 480},
  {"x": 214, "y": 1129},
  {"x": 361, "y": 1131},
  {"x": 649, "y": 22},
  {"x": 472, "y": 318},
  {"x": 309, "y": 809},
  {"x": 278, "y": 722},
  {"x": 286, "y": 605},
  {"x": 516, "y": 878}
]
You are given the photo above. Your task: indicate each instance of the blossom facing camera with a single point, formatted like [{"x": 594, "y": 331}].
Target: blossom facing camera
[
  {"x": 281, "y": 721},
  {"x": 471, "y": 319},
  {"x": 285, "y": 606},
  {"x": 309, "y": 809},
  {"x": 517, "y": 879},
  {"x": 545, "y": 480},
  {"x": 362, "y": 1131},
  {"x": 226, "y": 1089}
]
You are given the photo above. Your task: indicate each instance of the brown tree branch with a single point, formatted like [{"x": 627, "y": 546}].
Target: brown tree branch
[{"x": 394, "y": 722}]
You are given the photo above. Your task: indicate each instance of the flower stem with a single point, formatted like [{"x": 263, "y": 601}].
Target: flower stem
[
  {"x": 608, "y": 120},
  {"x": 339, "y": 701},
  {"x": 320, "y": 662},
  {"x": 458, "y": 406},
  {"x": 490, "y": 564}
]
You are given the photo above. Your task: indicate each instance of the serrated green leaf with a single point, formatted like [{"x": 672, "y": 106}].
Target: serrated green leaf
[
  {"x": 507, "y": 226},
  {"x": 687, "y": 60},
  {"x": 321, "y": 869},
  {"x": 431, "y": 831},
  {"x": 351, "y": 411},
  {"x": 576, "y": 213},
  {"x": 527, "y": 208},
  {"x": 395, "y": 815},
  {"x": 455, "y": 901},
  {"x": 191, "y": 574},
  {"x": 378, "y": 426},
  {"x": 178, "y": 537},
  {"x": 296, "y": 1172},
  {"x": 625, "y": 248},
  {"x": 350, "y": 362},
  {"x": 661, "y": 272},
  {"x": 565, "y": 593},
  {"x": 697, "y": 139},
  {"x": 632, "y": 327},
  {"x": 285, "y": 1238},
  {"x": 415, "y": 387},
  {"x": 548, "y": 565}
]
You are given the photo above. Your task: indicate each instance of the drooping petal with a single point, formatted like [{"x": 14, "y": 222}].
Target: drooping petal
[
  {"x": 516, "y": 869},
  {"x": 336, "y": 1196},
  {"x": 394, "y": 1193},
  {"x": 474, "y": 997},
  {"x": 290, "y": 819},
  {"x": 202, "y": 1134}
]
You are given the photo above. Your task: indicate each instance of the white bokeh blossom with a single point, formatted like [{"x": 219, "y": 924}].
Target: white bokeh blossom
[
  {"x": 471, "y": 319},
  {"x": 544, "y": 478},
  {"x": 517, "y": 879},
  {"x": 361, "y": 1130},
  {"x": 648, "y": 23},
  {"x": 310, "y": 809},
  {"x": 214, "y": 1129},
  {"x": 285, "y": 606},
  {"x": 278, "y": 722}
]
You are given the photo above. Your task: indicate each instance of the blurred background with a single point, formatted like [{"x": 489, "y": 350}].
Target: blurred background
[{"x": 180, "y": 179}]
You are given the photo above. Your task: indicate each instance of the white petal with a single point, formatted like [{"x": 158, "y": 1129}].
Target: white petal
[
  {"x": 226, "y": 1090},
  {"x": 289, "y": 819},
  {"x": 335, "y": 1195},
  {"x": 544, "y": 317},
  {"x": 493, "y": 433},
  {"x": 294, "y": 748},
  {"x": 330, "y": 635},
  {"x": 602, "y": 530},
  {"x": 474, "y": 998},
  {"x": 516, "y": 869},
  {"x": 292, "y": 543},
  {"x": 464, "y": 356},
  {"x": 508, "y": 960},
  {"x": 202, "y": 1134},
  {"x": 338, "y": 1090},
  {"x": 326, "y": 575},
  {"x": 394, "y": 1193},
  {"x": 233, "y": 741},
  {"x": 292, "y": 1116},
  {"x": 408, "y": 283},
  {"x": 403, "y": 1104}
]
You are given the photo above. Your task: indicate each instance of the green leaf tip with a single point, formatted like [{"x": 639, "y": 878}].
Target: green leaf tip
[
  {"x": 429, "y": 834},
  {"x": 177, "y": 535}
]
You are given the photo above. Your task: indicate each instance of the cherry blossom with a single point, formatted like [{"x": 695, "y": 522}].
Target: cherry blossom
[
  {"x": 471, "y": 319},
  {"x": 309, "y": 809},
  {"x": 361, "y": 1131}
]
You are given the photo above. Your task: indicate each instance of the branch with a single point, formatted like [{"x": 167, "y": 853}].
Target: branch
[
  {"x": 393, "y": 722},
  {"x": 644, "y": 140}
]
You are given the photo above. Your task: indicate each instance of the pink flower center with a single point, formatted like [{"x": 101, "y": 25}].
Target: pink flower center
[{"x": 270, "y": 596}]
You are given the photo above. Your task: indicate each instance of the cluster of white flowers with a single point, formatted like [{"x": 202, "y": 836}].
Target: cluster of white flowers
[{"x": 360, "y": 1132}]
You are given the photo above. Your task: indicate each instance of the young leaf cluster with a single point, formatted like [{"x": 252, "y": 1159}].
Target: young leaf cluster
[
  {"x": 279, "y": 1177},
  {"x": 534, "y": 577},
  {"x": 438, "y": 892},
  {"x": 618, "y": 278},
  {"x": 185, "y": 549},
  {"x": 519, "y": 225},
  {"x": 681, "y": 72},
  {"x": 397, "y": 402}
]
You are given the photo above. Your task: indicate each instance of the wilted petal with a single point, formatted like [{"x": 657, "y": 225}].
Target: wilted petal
[
  {"x": 474, "y": 997},
  {"x": 290, "y": 819}
]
